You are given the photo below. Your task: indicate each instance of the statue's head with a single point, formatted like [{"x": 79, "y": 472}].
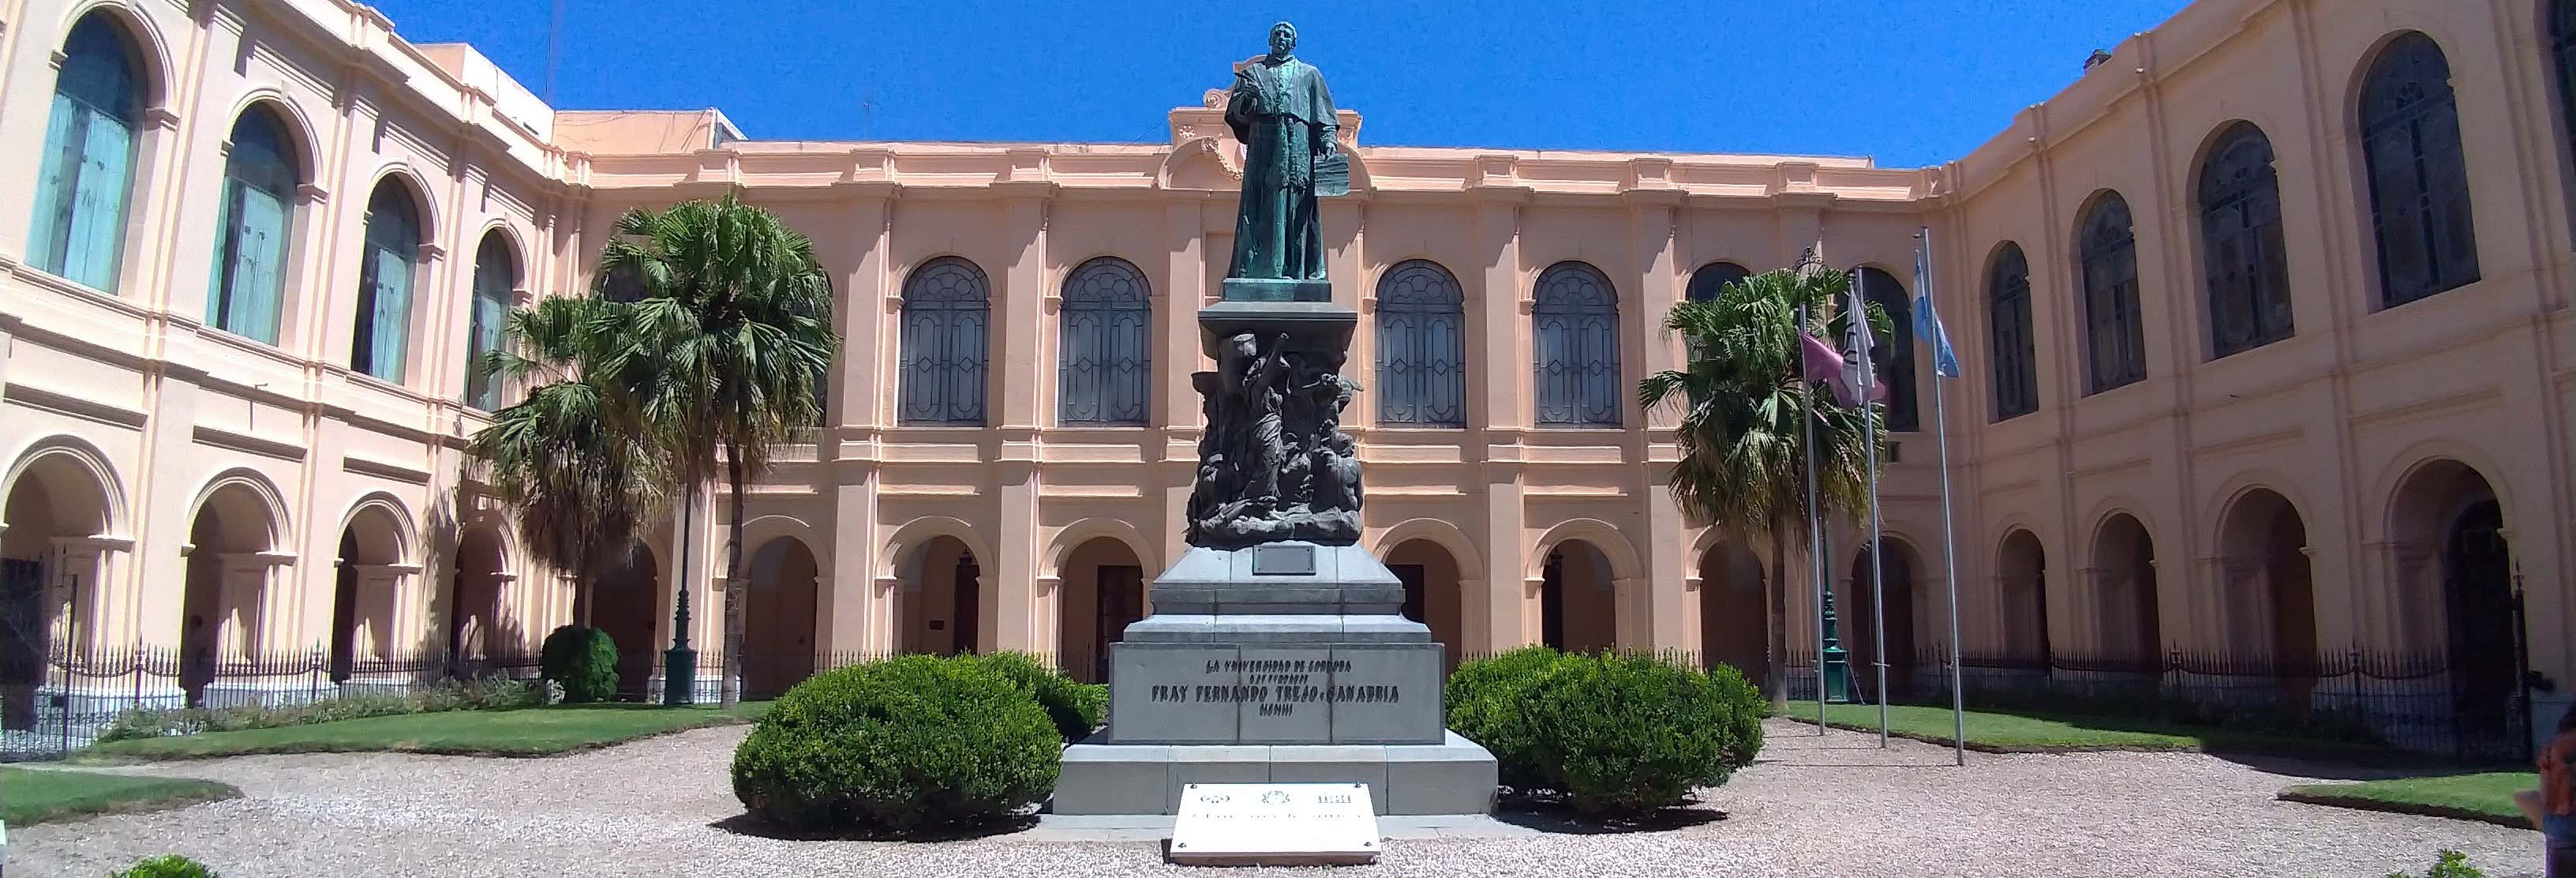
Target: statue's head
[{"x": 1283, "y": 39}]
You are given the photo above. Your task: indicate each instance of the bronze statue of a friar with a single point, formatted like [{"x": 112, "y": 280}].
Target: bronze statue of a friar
[
  {"x": 1283, "y": 115},
  {"x": 1274, "y": 463}
]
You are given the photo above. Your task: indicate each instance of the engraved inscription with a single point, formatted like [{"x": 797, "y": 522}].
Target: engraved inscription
[{"x": 1277, "y": 686}]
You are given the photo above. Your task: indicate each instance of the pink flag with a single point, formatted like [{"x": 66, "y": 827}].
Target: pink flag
[{"x": 1825, "y": 366}]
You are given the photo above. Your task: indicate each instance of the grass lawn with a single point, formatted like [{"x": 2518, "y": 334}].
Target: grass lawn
[
  {"x": 2486, "y": 796},
  {"x": 541, "y": 731},
  {"x": 2023, "y": 731},
  {"x": 35, "y": 795}
]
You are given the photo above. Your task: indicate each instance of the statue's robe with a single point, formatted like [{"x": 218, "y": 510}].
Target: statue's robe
[{"x": 1283, "y": 116}]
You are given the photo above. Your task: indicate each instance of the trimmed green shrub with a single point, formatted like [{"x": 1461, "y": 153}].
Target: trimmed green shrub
[
  {"x": 485, "y": 693},
  {"x": 1075, "y": 708},
  {"x": 899, "y": 746},
  {"x": 582, "y": 662},
  {"x": 1484, "y": 704},
  {"x": 168, "y": 866},
  {"x": 1745, "y": 709},
  {"x": 1607, "y": 733}
]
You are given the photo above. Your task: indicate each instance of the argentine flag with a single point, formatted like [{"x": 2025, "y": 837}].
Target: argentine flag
[{"x": 1927, "y": 323}]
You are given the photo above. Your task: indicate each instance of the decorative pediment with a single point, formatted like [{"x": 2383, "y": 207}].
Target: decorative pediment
[{"x": 1205, "y": 163}]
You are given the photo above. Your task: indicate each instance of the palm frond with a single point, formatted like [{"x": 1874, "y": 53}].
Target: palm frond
[{"x": 1741, "y": 399}]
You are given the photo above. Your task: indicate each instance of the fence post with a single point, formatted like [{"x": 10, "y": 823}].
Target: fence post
[{"x": 63, "y": 714}]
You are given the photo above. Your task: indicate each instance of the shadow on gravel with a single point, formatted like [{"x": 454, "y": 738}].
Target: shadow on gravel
[
  {"x": 1547, "y": 815},
  {"x": 2337, "y": 769},
  {"x": 745, "y": 824},
  {"x": 1943, "y": 766}
]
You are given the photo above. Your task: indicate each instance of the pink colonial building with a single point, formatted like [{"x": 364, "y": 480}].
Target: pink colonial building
[{"x": 2261, "y": 319}]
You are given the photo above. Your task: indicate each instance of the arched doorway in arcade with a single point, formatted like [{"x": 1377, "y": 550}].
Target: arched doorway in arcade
[
  {"x": 1103, "y": 586},
  {"x": 779, "y": 619},
  {"x": 2129, "y": 623},
  {"x": 627, "y": 604},
  {"x": 1734, "y": 622},
  {"x": 1431, "y": 592},
  {"x": 941, "y": 599},
  {"x": 1897, "y": 581},
  {"x": 2270, "y": 598},
  {"x": 2021, "y": 590},
  {"x": 476, "y": 636},
  {"x": 1578, "y": 599},
  {"x": 2447, "y": 514},
  {"x": 229, "y": 560},
  {"x": 363, "y": 596},
  {"x": 48, "y": 583}
]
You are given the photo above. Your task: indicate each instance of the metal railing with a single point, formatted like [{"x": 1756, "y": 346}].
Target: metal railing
[
  {"x": 2407, "y": 700},
  {"x": 61, "y": 702}
]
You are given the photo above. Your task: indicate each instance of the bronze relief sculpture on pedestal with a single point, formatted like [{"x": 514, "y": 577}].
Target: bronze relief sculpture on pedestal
[{"x": 1274, "y": 464}]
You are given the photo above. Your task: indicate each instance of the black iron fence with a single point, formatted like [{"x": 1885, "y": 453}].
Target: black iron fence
[
  {"x": 767, "y": 674},
  {"x": 2407, "y": 700},
  {"x": 2415, "y": 701},
  {"x": 60, "y": 702}
]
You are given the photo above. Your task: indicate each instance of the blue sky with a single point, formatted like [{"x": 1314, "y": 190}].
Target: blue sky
[{"x": 1910, "y": 82}]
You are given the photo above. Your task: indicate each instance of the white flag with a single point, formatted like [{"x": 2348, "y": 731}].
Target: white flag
[{"x": 1857, "y": 339}]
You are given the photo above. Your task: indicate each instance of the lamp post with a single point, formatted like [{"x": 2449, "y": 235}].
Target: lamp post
[
  {"x": 1836, "y": 660},
  {"x": 680, "y": 663}
]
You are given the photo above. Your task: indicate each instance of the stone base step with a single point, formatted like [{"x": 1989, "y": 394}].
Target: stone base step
[{"x": 1453, "y": 777}]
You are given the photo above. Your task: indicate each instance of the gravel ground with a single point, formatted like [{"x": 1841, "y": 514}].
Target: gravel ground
[{"x": 1830, "y": 805}]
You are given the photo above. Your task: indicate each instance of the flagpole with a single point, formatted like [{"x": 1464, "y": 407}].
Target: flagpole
[
  {"x": 1815, "y": 530},
  {"x": 1949, "y": 538},
  {"x": 1877, "y": 540}
]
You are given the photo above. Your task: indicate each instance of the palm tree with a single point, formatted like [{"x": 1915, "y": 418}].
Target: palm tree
[
  {"x": 583, "y": 479},
  {"x": 723, "y": 354},
  {"x": 1743, "y": 463}
]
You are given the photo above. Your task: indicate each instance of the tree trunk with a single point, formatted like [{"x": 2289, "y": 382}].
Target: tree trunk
[
  {"x": 736, "y": 592},
  {"x": 1775, "y": 681}
]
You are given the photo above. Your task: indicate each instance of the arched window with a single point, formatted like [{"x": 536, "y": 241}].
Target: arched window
[
  {"x": 1576, "y": 339},
  {"x": 1421, "y": 347},
  {"x": 496, "y": 276},
  {"x": 1893, "y": 355},
  {"x": 2419, "y": 181},
  {"x": 81, "y": 192},
  {"x": 2562, "y": 52},
  {"x": 622, "y": 284},
  {"x": 1706, "y": 285},
  {"x": 386, "y": 267},
  {"x": 2016, "y": 353},
  {"x": 257, "y": 212},
  {"x": 1107, "y": 363},
  {"x": 2115, "y": 338},
  {"x": 946, "y": 304},
  {"x": 2240, "y": 229},
  {"x": 1711, "y": 279}
]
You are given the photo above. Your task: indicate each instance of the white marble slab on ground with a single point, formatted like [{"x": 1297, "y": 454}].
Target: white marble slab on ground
[{"x": 1274, "y": 824}]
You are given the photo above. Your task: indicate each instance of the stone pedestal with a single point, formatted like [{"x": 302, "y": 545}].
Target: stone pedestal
[
  {"x": 1277, "y": 651},
  {"x": 1276, "y": 663},
  {"x": 1247, "y": 289}
]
